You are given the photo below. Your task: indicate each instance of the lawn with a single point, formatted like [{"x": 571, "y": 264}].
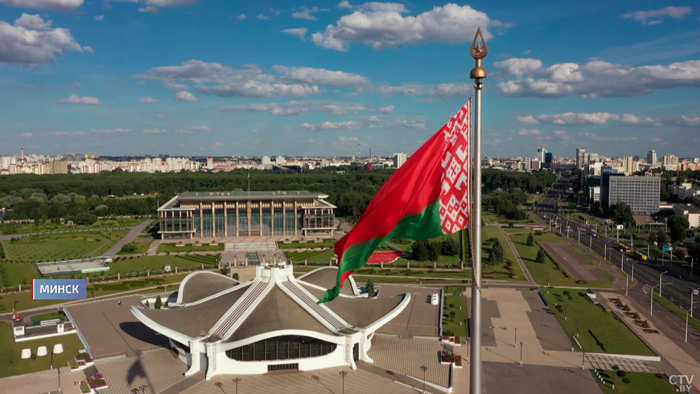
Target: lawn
[
  {"x": 327, "y": 243},
  {"x": 693, "y": 321},
  {"x": 31, "y": 228},
  {"x": 640, "y": 383},
  {"x": 52, "y": 247},
  {"x": 171, "y": 248},
  {"x": 491, "y": 217},
  {"x": 48, "y": 316},
  {"x": 12, "y": 364},
  {"x": 599, "y": 331},
  {"x": 502, "y": 271},
  {"x": 547, "y": 273},
  {"x": 311, "y": 255},
  {"x": 141, "y": 248},
  {"x": 12, "y": 274},
  {"x": 155, "y": 263},
  {"x": 455, "y": 312},
  {"x": 408, "y": 280}
]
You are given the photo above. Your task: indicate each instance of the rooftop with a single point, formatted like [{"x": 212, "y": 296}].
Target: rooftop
[{"x": 255, "y": 195}]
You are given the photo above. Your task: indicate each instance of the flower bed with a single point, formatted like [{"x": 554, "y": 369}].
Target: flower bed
[
  {"x": 458, "y": 361},
  {"x": 84, "y": 387},
  {"x": 97, "y": 382},
  {"x": 458, "y": 340},
  {"x": 650, "y": 331},
  {"x": 447, "y": 357}
]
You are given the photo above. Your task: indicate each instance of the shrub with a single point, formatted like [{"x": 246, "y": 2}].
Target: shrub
[
  {"x": 625, "y": 380},
  {"x": 452, "y": 305},
  {"x": 620, "y": 373}
]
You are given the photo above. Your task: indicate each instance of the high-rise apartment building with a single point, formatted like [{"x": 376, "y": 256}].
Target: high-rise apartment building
[
  {"x": 580, "y": 159},
  {"x": 640, "y": 193},
  {"x": 541, "y": 153},
  {"x": 399, "y": 159},
  {"x": 651, "y": 157}
]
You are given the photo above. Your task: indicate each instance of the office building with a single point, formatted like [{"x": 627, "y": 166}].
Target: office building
[
  {"x": 670, "y": 162},
  {"x": 246, "y": 214},
  {"x": 580, "y": 157},
  {"x": 690, "y": 212},
  {"x": 640, "y": 193},
  {"x": 541, "y": 152}
]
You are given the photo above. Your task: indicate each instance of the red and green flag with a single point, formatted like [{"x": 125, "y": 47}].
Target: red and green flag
[{"x": 426, "y": 197}]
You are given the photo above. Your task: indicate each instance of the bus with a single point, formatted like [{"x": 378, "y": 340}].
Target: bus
[
  {"x": 625, "y": 248},
  {"x": 641, "y": 255}
]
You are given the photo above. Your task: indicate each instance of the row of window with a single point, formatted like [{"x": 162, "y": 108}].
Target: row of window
[{"x": 282, "y": 348}]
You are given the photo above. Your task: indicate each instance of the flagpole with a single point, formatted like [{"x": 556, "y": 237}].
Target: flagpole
[{"x": 478, "y": 52}]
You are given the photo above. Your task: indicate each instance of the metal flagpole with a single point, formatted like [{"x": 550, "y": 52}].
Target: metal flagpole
[{"x": 478, "y": 51}]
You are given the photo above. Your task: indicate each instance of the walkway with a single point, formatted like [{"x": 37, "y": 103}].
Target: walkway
[
  {"x": 135, "y": 231},
  {"x": 9, "y": 237},
  {"x": 530, "y": 280}
]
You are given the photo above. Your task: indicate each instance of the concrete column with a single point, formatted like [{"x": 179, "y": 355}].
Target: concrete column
[
  {"x": 435, "y": 265},
  {"x": 201, "y": 220},
  {"x": 272, "y": 218},
  {"x": 225, "y": 221},
  {"x": 295, "y": 218},
  {"x": 238, "y": 222},
  {"x": 119, "y": 276},
  {"x": 408, "y": 264},
  {"x": 202, "y": 267},
  {"x": 148, "y": 272},
  {"x": 284, "y": 217},
  {"x": 261, "y": 218},
  {"x": 213, "y": 219},
  {"x": 176, "y": 269}
]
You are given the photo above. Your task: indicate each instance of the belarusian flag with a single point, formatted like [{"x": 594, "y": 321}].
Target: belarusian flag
[{"x": 427, "y": 197}]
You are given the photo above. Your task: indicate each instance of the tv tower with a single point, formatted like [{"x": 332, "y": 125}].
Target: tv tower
[
  {"x": 359, "y": 152},
  {"x": 22, "y": 165}
]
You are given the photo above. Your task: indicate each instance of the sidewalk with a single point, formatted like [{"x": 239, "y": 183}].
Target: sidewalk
[
  {"x": 135, "y": 231},
  {"x": 530, "y": 280}
]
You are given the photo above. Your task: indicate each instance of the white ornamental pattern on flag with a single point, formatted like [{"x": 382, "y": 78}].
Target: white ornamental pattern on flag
[{"x": 454, "y": 194}]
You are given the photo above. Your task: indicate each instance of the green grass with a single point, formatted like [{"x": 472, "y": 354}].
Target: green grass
[
  {"x": 12, "y": 273},
  {"x": 454, "y": 289},
  {"x": 49, "y": 316},
  {"x": 501, "y": 271},
  {"x": 311, "y": 255},
  {"x": 139, "y": 264},
  {"x": 450, "y": 323},
  {"x": 54, "y": 247},
  {"x": 606, "y": 274},
  {"x": 548, "y": 272},
  {"x": 141, "y": 248},
  {"x": 612, "y": 335},
  {"x": 466, "y": 274},
  {"x": 492, "y": 217},
  {"x": 408, "y": 280},
  {"x": 172, "y": 248},
  {"x": 327, "y": 243},
  {"x": 676, "y": 311},
  {"x": 12, "y": 364},
  {"x": 640, "y": 383},
  {"x": 31, "y": 228}
]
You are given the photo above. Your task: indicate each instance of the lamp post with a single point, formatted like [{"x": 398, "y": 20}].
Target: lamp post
[
  {"x": 236, "y": 381},
  {"x": 651, "y": 301},
  {"x": 686, "y": 326},
  {"x": 424, "y": 369},
  {"x": 521, "y": 353},
  {"x": 661, "y": 274},
  {"x": 342, "y": 375},
  {"x": 515, "y": 343},
  {"x": 692, "y": 293}
]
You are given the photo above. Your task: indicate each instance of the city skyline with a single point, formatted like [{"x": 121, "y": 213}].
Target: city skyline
[{"x": 220, "y": 79}]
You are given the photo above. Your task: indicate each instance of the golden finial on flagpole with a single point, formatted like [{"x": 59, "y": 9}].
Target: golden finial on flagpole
[{"x": 479, "y": 51}]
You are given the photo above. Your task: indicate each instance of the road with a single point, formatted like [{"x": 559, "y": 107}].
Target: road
[{"x": 676, "y": 284}]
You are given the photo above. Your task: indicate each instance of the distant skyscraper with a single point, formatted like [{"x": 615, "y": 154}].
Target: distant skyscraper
[
  {"x": 592, "y": 157},
  {"x": 540, "y": 154},
  {"x": 629, "y": 165},
  {"x": 210, "y": 162},
  {"x": 580, "y": 159},
  {"x": 399, "y": 159},
  {"x": 548, "y": 158},
  {"x": 670, "y": 162},
  {"x": 651, "y": 157}
]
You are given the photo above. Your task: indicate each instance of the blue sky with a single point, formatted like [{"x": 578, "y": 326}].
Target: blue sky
[{"x": 224, "y": 78}]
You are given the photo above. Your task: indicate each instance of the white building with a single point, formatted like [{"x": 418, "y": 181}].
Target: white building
[
  {"x": 270, "y": 323},
  {"x": 690, "y": 212},
  {"x": 399, "y": 159},
  {"x": 265, "y": 160}
]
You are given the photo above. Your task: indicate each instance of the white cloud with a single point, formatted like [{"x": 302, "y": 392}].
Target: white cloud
[
  {"x": 571, "y": 118},
  {"x": 88, "y": 49},
  {"x": 175, "y": 86},
  {"x": 344, "y": 4},
  {"x": 320, "y": 76},
  {"x": 154, "y": 131},
  {"x": 305, "y": 13},
  {"x": 75, "y": 99},
  {"x": 259, "y": 89},
  {"x": 299, "y": 107},
  {"x": 160, "y": 116},
  {"x": 386, "y": 110},
  {"x": 527, "y": 119},
  {"x": 633, "y": 120},
  {"x": 170, "y": 3},
  {"x": 516, "y": 66},
  {"x": 32, "y": 41},
  {"x": 644, "y": 16},
  {"x": 48, "y": 5},
  {"x": 298, "y": 32},
  {"x": 381, "y": 25},
  {"x": 241, "y": 17},
  {"x": 348, "y": 140},
  {"x": 689, "y": 121},
  {"x": 263, "y": 17},
  {"x": 346, "y": 125},
  {"x": 218, "y": 144},
  {"x": 600, "y": 78},
  {"x": 185, "y": 96},
  {"x": 440, "y": 91},
  {"x": 528, "y": 132},
  {"x": 74, "y": 134},
  {"x": 99, "y": 17},
  {"x": 150, "y": 9},
  {"x": 148, "y": 100},
  {"x": 561, "y": 135}
]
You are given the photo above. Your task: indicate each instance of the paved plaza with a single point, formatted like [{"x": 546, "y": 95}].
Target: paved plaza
[
  {"x": 419, "y": 318},
  {"x": 536, "y": 379}
]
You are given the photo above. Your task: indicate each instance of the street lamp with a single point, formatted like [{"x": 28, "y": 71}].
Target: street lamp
[
  {"x": 423, "y": 368},
  {"x": 342, "y": 375},
  {"x": 691, "y": 267},
  {"x": 235, "y": 381},
  {"x": 651, "y": 301},
  {"x": 661, "y": 274}
]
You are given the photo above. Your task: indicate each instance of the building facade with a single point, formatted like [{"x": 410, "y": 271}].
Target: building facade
[
  {"x": 640, "y": 193},
  {"x": 246, "y": 214},
  {"x": 690, "y": 212},
  {"x": 270, "y": 323}
]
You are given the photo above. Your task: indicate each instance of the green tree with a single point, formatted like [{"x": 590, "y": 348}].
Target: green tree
[
  {"x": 497, "y": 255},
  {"x": 450, "y": 247},
  {"x": 434, "y": 250},
  {"x": 419, "y": 250},
  {"x": 159, "y": 303},
  {"x": 652, "y": 237},
  {"x": 530, "y": 240},
  {"x": 235, "y": 276},
  {"x": 679, "y": 254},
  {"x": 694, "y": 252},
  {"x": 622, "y": 214},
  {"x": 370, "y": 288},
  {"x": 661, "y": 236},
  {"x": 540, "y": 256},
  {"x": 678, "y": 226}
]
